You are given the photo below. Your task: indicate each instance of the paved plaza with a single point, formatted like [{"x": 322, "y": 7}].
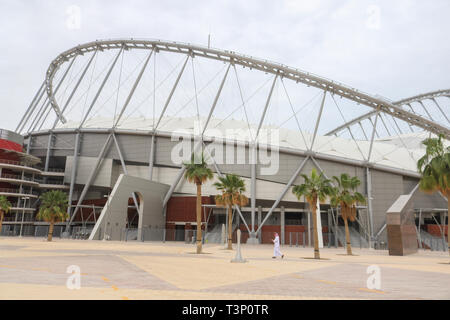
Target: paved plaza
[{"x": 35, "y": 269}]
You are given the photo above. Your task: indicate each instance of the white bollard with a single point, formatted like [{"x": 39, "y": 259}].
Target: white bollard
[{"x": 238, "y": 258}]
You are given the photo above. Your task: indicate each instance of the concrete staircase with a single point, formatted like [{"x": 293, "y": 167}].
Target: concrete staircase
[
  {"x": 215, "y": 235},
  {"x": 432, "y": 242},
  {"x": 356, "y": 239}
]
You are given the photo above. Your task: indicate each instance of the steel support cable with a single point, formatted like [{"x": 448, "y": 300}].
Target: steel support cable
[
  {"x": 301, "y": 109},
  {"x": 75, "y": 88},
  {"x": 133, "y": 88},
  {"x": 293, "y": 112},
  {"x": 199, "y": 92},
  {"x": 243, "y": 104},
  {"x": 373, "y": 126},
  {"x": 94, "y": 57},
  {"x": 118, "y": 89},
  {"x": 195, "y": 89},
  {"x": 387, "y": 130},
  {"x": 440, "y": 109},
  {"x": 404, "y": 144},
  {"x": 125, "y": 81},
  {"x": 154, "y": 89},
  {"x": 31, "y": 107},
  {"x": 127, "y": 78},
  {"x": 330, "y": 141},
  {"x": 153, "y": 93},
  {"x": 35, "y": 115},
  {"x": 92, "y": 82},
  {"x": 349, "y": 130}
]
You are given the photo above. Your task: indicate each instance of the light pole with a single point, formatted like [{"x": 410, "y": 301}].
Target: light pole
[{"x": 23, "y": 213}]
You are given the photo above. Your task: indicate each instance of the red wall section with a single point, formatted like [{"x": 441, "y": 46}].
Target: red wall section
[
  {"x": 9, "y": 145},
  {"x": 183, "y": 209},
  {"x": 8, "y": 155},
  {"x": 435, "y": 230}
]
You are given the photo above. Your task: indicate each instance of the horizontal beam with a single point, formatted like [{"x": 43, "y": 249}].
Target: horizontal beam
[{"x": 261, "y": 146}]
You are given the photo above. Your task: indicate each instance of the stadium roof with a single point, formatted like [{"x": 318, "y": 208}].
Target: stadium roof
[{"x": 401, "y": 151}]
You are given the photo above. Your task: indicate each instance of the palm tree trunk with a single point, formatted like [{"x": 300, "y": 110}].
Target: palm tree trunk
[
  {"x": 347, "y": 236},
  {"x": 316, "y": 234},
  {"x": 448, "y": 222},
  {"x": 50, "y": 230},
  {"x": 1, "y": 221},
  {"x": 199, "y": 218},
  {"x": 230, "y": 228}
]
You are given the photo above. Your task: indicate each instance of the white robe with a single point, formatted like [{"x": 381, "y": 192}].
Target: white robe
[{"x": 276, "y": 247}]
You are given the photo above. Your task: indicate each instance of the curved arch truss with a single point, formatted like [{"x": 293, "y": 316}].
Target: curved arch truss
[
  {"x": 403, "y": 104},
  {"x": 280, "y": 71}
]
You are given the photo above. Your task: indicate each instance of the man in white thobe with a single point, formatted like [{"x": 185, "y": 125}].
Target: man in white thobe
[{"x": 276, "y": 247}]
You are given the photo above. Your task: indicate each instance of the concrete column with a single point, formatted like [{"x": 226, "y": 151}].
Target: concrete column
[
  {"x": 259, "y": 222},
  {"x": 282, "y": 225}
]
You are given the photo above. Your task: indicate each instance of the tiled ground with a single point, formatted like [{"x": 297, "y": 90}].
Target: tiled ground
[{"x": 34, "y": 269}]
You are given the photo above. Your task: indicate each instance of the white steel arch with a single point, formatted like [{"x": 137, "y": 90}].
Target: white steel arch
[{"x": 234, "y": 58}]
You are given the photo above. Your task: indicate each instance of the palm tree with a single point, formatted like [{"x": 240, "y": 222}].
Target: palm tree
[
  {"x": 5, "y": 206},
  {"x": 434, "y": 167},
  {"x": 53, "y": 209},
  {"x": 232, "y": 188},
  {"x": 316, "y": 187},
  {"x": 346, "y": 197},
  {"x": 197, "y": 172}
]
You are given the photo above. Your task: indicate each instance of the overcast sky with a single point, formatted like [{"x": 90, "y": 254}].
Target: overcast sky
[{"x": 393, "y": 48}]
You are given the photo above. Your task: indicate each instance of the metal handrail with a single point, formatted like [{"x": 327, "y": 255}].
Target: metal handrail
[{"x": 8, "y": 190}]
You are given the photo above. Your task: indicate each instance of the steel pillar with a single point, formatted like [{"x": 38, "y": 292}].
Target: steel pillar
[
  {"x": 169, "y": 98},
  {"x": 318, "y": 119},
  {"x": 283, "y": 193},
  {"x": 74, "y": 171},
  {"x": 91, "y": 177},
  {"x": 133, "y": 89}
]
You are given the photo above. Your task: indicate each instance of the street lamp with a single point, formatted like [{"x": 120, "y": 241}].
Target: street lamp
[{"x": 23, "y": 213}]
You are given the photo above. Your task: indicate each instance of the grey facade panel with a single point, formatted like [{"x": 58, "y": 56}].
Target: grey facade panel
[
  {"x": 287, "y": 166},
  {"x": 40, "y": 142},
  {"x": 386, "y": 188},
  {"x": 91, "y": 144},
  {"x": 134, "y": 148},
  {"x": 64, "y": 141},
  {"x": 84, "y": 169},
  {"x": 163, "y": 154}
]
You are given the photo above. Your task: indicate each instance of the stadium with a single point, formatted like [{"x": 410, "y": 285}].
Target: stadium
[{"x": 112, "y": 120}]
